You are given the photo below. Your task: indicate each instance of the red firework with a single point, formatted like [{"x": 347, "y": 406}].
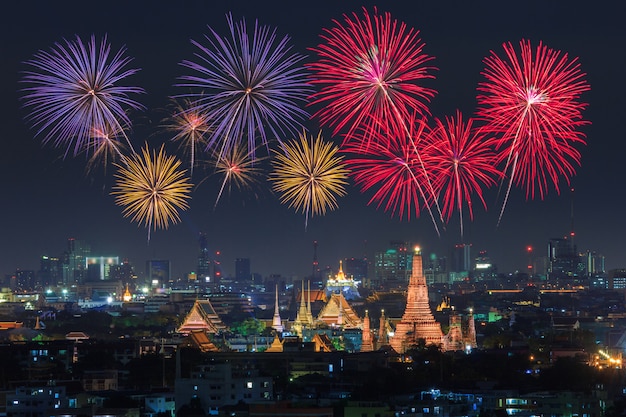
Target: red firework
[
  {"x": 369, "y": 70},
  {"x": 461, "y": 162},
  {"x": 391, "y": 166},
  {"x": 532, "y": 102}
]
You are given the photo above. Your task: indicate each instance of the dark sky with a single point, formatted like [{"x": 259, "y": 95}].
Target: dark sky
[{"x": 47, "y": 199}]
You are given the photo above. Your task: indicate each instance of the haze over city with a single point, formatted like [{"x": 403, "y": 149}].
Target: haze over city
[{"x": 48, "y": 198}]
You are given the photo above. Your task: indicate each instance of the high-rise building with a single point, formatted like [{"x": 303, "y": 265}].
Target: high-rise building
[
  {"x": 158, "y": 272},
  {"x": 356, "y": 268},
  {"x": 74, "y": 267},
  {"x": 50, "y": 271},
  {"x": 99, "y": 267},
  {"x": 392, "y": 268},
  {"x": 242, "y": 270},
  {"x": 123, "y": 272},
  {"x": 563, "y": 260},
  {"x": 483, "y": 267},
  {"x": 204, "y": 260},
  {"x": 461, "y": 258},
  {"x": 594, "y": 263}
]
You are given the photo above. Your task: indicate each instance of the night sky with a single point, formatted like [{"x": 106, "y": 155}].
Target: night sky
[{"x": 47, "y": 199}]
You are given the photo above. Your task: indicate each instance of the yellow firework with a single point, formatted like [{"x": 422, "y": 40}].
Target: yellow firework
[
  {"x": 309, "y": 175},
  {"x": 189, "y": 126},
  {"x": 152, "y": 189},
  {"x": 239, "y": 167}
]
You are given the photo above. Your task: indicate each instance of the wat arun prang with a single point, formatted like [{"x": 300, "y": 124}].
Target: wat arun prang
[{"x": 418, "y": 323}]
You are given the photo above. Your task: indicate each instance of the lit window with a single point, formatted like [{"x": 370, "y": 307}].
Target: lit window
[{"x": 249, "y": 384}]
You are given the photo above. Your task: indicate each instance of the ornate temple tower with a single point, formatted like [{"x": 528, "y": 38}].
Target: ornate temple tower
[
  {"x": 417, "y": 321},
  {"x": 367, "y": 344},
  {"x": 382, "y": 330},
  {"x": 277, "y": 323},
  {"x": 454, "y": 339},
  {"x": 304, "y": 317},
  {"x": 471, "y": 331}
]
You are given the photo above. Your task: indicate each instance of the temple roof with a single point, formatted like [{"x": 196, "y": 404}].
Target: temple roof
[
  {"x": 202, "y": 316},
  {"x": 339, "y": 312}
]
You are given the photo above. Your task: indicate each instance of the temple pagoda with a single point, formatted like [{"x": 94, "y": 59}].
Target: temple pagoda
[
  {"x": 418, "y": 322},
  {"x": 367, "y": 338}
]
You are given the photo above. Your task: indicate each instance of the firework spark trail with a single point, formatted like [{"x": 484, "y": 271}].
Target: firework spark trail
[
  {"x": 251, "y": 84},
  {"x": 532, "y": 102},
  {"x": 75, "y": 91},
  {"x": 309, "y": 175}
]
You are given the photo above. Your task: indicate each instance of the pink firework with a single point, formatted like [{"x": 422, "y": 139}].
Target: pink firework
[
  {"x": 531, "y": 101},
  {"x": 393, "y": 169},
  {"x": 461, "y": 162},
  {"x": 370, "y": 69}
]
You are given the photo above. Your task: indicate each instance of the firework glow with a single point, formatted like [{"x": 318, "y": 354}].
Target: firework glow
[
  {"x": 309, "y": 175},
  {"x": 531, "y": 100},
  {"x": 152, "y": 189},
  {"x": 249, "y": 85},
  {"x": 75, "y": 90},
  {"x": 370, "y": 71}
]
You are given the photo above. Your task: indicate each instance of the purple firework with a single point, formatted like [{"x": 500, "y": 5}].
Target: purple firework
[
  {"x": 248, "y": 85},
  {"x": 75, "y": 91}
]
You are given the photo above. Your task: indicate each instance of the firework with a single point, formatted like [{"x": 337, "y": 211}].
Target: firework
[
  {"x": 106, "y": 145},
  {"x": 75, "y": 90},
  {"x": 309, "y": 176},
  {"x": 532, "y": 102},
  {"x": 370, "y": 70},
  {"x": 461, "y": 162},
  {"x": 392, "y": 167},
  {"x": 238, "y": 168},
  {"x": 190, "y": 127},
  {"x": 152, "y": 189},
  {"x": 250, "y": 86}
]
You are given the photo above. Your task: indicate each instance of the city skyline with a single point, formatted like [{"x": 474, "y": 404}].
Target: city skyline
[{"x": 49, "y": 198}]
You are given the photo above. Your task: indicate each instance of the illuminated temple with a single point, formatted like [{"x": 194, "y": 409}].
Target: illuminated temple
[
  {"x": 343, "y": 284},
  {"x": 202, "y": 316},
  {"x": 418, "y": 322}
]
